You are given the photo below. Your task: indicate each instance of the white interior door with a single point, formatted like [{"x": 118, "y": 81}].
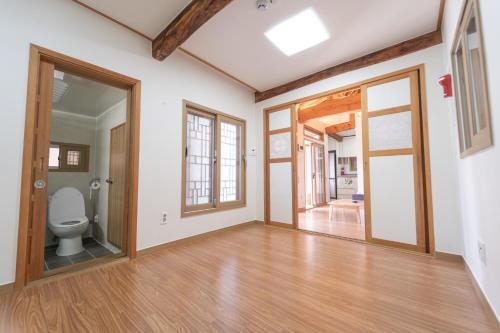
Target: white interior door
[
  {"x": 393, "y": 162},
  {"x": 279, "y": 167}
]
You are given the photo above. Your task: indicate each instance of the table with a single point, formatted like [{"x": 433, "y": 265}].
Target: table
[{"x": 345, "y": 204}]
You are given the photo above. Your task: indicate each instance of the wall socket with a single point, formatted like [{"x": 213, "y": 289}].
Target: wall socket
[
  {"x": 481, "y": 249},
  {"x": 163, "y": 218}
]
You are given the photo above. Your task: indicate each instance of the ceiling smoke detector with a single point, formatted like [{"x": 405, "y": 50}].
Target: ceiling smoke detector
[{"x": 263, "y": 4}]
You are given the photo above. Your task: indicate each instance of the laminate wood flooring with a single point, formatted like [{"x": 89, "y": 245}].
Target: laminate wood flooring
[{"x": 255, "y": 278}]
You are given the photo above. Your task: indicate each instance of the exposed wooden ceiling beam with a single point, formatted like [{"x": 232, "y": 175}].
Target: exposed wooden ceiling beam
[
  {"x": 334, "y": 129},
  {"x": 337, "y": 137},
  {"x": 395, "y": 51},
  {"x": 184, "y": 25},
  {"x": 330, "y": 107}
]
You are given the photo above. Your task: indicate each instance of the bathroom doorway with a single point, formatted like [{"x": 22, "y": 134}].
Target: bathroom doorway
[{"x": 79, "y": 181}]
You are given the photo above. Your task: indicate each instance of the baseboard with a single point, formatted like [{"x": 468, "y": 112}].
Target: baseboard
[
  {"x": 6, "y": 288},
  {"x": 301, "y": 210},
  {"x": 449, "y": 257},
  {"x": 482, "y": 297},
  {"x": 282, "y": 225},
  {"x": 191, "y": 238}
]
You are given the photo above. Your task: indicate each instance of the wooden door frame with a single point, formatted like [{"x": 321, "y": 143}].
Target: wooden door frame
[
  {"x": 93, "y": 72},
  {"x": 427, "y": 183},
  {"x": 415, "y": 151},
  {"x": 293, "y": 159}
]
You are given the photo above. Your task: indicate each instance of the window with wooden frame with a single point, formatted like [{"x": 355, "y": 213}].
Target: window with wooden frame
[
  {"x": 213, "y": 161},
  {"x": 68, "y": 157},
  {"x": 471, "y": 88},
  {"x": 312, "y": 133}
]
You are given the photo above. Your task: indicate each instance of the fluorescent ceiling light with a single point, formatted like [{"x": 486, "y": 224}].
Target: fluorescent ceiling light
[{"x": 298, "y": 32}]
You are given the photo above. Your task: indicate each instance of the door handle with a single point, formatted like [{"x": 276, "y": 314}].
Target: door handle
[
  {"x": 39, "y": 184},
  {"x": 109, "y": 181}
]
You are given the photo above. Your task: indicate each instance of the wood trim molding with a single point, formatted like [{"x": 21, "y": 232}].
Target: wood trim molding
[
  {"x": 190, "y": 19},
  {"x": 391, "y": 52},
  {"x": 281, "y": 225},
  {"x": 6, "y": 288},
  {"x": 449, "y": 257},
  {"x": 112, "y": 19},
  {"x": 280, "y": 160},
  {"x": 385, "y": 112},
  {"x": 206, "y": 63},
  {"x": 88, "y": 70},
  {"x": 189, "y": 239},
  {"x": 390, "y": 152},
  {"x": 482, "y": 297},
  {"x": 281, "y": 130},
  {"x": 440, "y": 15}
]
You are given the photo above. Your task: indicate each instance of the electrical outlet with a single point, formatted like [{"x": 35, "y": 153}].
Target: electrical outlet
[
  {"x": 163, "y": 218},
  {"x": 481, "y": 248}
]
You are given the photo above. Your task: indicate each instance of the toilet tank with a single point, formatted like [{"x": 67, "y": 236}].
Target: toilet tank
[{"x": 66, "y": 204}]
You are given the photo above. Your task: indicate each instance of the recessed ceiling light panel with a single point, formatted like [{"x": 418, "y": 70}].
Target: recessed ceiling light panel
[{"x": 298, "y": 32}]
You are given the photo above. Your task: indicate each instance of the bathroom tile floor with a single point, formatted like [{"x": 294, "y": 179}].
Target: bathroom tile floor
[{"x": 92, "y": 248}]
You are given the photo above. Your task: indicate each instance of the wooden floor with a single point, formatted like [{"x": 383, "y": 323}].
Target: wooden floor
[
  {"x": 343, "y": 223},
  {"x": 255, "y": 279}
]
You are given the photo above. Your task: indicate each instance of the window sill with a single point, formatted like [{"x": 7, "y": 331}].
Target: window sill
[{"x": 223, "y": 207}]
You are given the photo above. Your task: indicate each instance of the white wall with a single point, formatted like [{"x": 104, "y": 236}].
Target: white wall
[
  {"x": 479, "y": 180},
  {"x": 112, "y": 117},
  {"x": 66, "y": 27},
  {"x": 444, "y": 184}
]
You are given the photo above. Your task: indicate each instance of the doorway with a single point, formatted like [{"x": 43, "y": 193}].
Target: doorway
[
  {"x": 329, "y": 184},
  {"x": 392, "y": 196},
  {"x": 66, "y": 159}
]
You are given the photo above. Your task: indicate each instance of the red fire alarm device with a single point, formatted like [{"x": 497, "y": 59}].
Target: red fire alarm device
[{"x": 445, "y": 82}]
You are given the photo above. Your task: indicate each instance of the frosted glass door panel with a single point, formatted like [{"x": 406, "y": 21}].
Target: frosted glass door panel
[
  {"x": 392, "y": 196},
  {"x": 392, "y": 131},
  {"x": 280, "y": 198},
  {"x": 279, "y": 120},
  {"x": 389, "y": 95},
  {"x": 280, "y": 145}
]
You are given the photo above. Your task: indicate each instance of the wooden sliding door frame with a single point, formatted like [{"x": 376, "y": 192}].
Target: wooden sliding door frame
[
  {"x": 267, "y": 163},
  {"x": 84, "y": 69},
  {"x": 427, "y": 184},
  {"x": 415, "y": 151}
]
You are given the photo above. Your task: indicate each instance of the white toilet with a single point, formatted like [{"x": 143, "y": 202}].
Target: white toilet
[{"x": 67, "y": 220}]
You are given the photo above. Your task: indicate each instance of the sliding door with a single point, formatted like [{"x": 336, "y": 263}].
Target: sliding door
[
  {"x": 280, "y": 205},
  {"x": 392, "y": 151},
  {"x": 319, "y": 173}
]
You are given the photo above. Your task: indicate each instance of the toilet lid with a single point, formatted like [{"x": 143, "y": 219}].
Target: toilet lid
[{"x": 66, "y": 205}]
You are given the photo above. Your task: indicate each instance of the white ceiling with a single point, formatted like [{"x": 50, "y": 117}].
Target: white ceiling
[
  {"x": 234, "y": 39},
  {"x": 149, "y": 17},
  {"x": 87, "y": 97}
]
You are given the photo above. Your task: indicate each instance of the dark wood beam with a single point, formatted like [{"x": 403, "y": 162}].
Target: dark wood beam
[
  {"x": 395, "y": 51},
  {"x": 184, "y": 25},
  {"x": 334, "y": 129},
  {"x": 331, "y": 107}
]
